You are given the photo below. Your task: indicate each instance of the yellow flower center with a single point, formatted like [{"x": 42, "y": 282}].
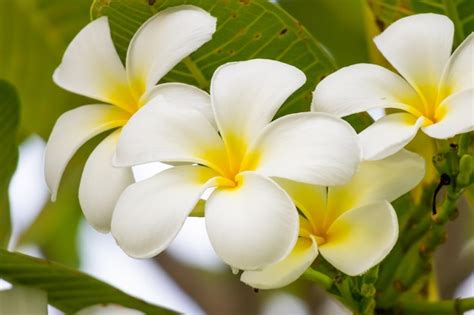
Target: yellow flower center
[
  {"x": 233, "y": 159},
  {"x": 431, "y": 97}
]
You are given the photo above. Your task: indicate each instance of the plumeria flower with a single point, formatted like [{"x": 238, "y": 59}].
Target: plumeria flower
[
  {"x": 20, "y": 300},
  {"x": 92, "y": 67},
  {"x": 251, "y": 221},
  {"x": 353, "y": 226},
  {"x": 435, "y": 91}
]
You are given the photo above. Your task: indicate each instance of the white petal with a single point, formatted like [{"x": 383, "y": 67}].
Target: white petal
[
  {"x": 457, "y": 116},
  {"x": 388, "y": 135},
  {"x": 164, "y": 132},
  {"x": 252, "y": 225},
  {"x": 311, "y": 200},
  {"x": 183, "y": 96},
  {"x": 163, "y": 41},
  {"x": 419, "y": 46},
  {"x": 149, "y": 214},
  {"x": 108, "y": 309},
  {"x": 459, "y": 72},
  {"x": 314, "y": 148},
  {"x": 92, "y": 67},
  {"x": 101, "y": 184},
  {"x": 286, "y": 271},
  {"x": 385, "y": 179},
  {"x": 361, "y": 87},
  {"x": 22, "y": 300},
  {"x": 71, "y": 131},
  {"x": 246, "y": 95},
  {"x": 361, "y": 238}
]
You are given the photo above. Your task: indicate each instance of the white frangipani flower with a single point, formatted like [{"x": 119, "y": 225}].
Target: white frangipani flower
[
  {"x": 435, "y": 91},
  {"x": 251, "y": 221},
  {"x": 353, "y": 226},
  {"x": 21, "y": 300},
  {"x": 92, "y": 67}
]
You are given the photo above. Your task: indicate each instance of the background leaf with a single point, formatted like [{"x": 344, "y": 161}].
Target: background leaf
[
  {"x": 68, "y": 290},
  {"x": 33, "y": 36},
  {"x": 461, "y": 12},
  {"x": 245, "y": 30},
  {"x": 9, "y": 119},
  {"x": 346, "y": 27}
]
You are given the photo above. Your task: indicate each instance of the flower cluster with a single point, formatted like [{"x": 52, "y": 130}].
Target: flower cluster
[{"x": 283, "y": 190}]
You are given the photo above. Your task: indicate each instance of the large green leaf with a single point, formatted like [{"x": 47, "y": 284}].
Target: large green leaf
[
  {"x": 9, "y": 118},
  {"x": 245, "y": 30},
  {"x": 68, "y": 290},
  {"x": 33, "y": 37},
  {"x": 346, "y": 27},
  {"x": 461, "y": 12}
]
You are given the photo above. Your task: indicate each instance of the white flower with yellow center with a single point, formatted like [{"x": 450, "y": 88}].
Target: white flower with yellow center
[
  {"x": 251, "y": 221},
  {"x": 21, "y": 300},
  {"x": 353, "y": 226},
  {"x": 435, "y": 94},
  {"x": 92, "y": 67}
]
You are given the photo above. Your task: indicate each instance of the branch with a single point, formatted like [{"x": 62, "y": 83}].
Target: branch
[
  {"x": 448, "y": 307},
  {"x": 215, "y": 293}
]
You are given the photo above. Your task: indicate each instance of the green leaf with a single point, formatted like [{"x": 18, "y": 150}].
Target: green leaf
[
  {"x": 344, "y": 26},
  {"x": 246, "y": 29},
  {"x": 33, "y": 37},
  {"x": 68, "y": 290},
  {"x": 461, "y": 12},
  {"x": 9, "y": 119}
]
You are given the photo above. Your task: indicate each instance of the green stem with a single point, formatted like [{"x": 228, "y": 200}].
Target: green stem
[
  {"x": 463, "y": 144},
  {"x": 368, "y": 291},
  {"x": 416, "y": 262},
  {"x": 318, "y": 277},
  {"x": 448, "y": 307}
]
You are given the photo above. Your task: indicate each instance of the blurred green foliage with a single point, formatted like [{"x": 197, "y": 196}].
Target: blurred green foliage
[
  {"x": 9, "y": 120},
  {"x": 68, "y": 290},
  {"x": 33, "y": 37},
  {"x": 345, "y": 27}
]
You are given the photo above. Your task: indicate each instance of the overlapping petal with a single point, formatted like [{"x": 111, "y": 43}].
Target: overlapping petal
[
  {"x": 71, "y": 131},
  {"x": 359, "y": 239},
  {"x": 246, "y": 95},
  {"x": 419, "y": 47},
  {"x": 101, "y": 184},
  {"x": 456, "y": 114},
  {"x": 165, "y": 132},
  {"x": 459, "y": 72},
  {"x": 285, "y": 271},
  {"x": 183, "y": 96},
  {"x": 163, "y": 41},
  {"x": 311, "y": 200},
  {"x": 388, "y": 135},
  {"x": 313, "y": 148},
  {"x": 92, "y": 67},
  {"x": 252, "y": 225},
  {"x": 385, "y": 179},
  {"x": 361, "y": 87},
  {"x": 150, "y": 213}
]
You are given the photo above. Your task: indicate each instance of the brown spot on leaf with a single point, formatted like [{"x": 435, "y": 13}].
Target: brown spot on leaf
[{"x": 283, "y": 31}]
